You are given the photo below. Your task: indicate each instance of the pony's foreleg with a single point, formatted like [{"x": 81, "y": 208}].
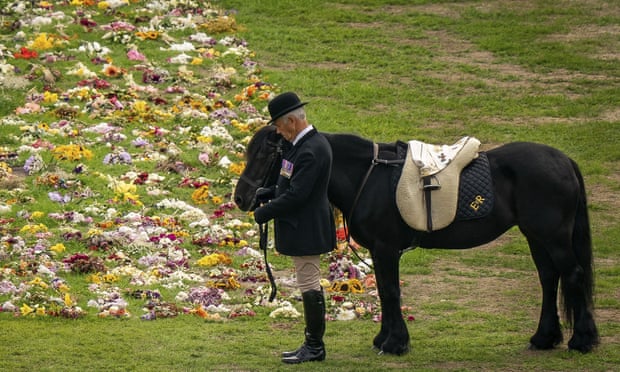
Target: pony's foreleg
[{"x": 393, "y": 338}]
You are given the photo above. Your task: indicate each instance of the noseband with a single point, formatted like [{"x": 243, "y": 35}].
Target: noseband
[{"x": 268, "y": 179}]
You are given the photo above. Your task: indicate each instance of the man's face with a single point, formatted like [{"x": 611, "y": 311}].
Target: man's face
[{"x": 285, "y": 126}]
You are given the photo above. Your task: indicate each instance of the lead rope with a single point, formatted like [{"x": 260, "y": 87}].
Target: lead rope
[{"x": 263, "y": 229}]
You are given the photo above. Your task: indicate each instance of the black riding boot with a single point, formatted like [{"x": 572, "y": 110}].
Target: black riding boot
[{"x": 313, "y": 348}]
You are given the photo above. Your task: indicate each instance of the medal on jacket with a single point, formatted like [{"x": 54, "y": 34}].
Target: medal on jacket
[{"x": 287, "y": 169}]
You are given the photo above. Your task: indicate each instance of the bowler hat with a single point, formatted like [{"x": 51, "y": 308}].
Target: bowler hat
[{"x": 283, "y": 104}]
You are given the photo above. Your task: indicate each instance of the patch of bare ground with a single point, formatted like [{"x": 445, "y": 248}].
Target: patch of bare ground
[
  {"x": 453, "y": 50},
  {"x": 15, "y": 179},
  {"x": 603, "y": 196},
  {"x": 601, "y": 8},
  {"x": 485, "y": 290}
]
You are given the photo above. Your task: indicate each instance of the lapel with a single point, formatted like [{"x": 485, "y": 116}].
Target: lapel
[{"x": 291, "y": 152}]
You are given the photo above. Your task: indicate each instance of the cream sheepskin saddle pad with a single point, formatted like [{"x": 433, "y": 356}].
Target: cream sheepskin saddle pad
[{"x": 430, "y": 179}]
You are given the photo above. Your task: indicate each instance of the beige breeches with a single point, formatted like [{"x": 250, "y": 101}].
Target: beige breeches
[{"x": 308, "y": 271}]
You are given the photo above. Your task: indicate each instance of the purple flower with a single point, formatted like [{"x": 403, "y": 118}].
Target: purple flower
[
  {"x": 55, "y": 196},
  {"x": 139, "y": 142},
  {"x": 33, "y": 164},
  {"x": 7, "y": 287}
]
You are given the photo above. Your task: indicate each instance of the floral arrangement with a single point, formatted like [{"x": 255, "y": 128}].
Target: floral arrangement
[{"x": 118, "y": 161}]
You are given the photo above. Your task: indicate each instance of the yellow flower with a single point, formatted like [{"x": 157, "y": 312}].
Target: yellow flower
[
  {"x": 237, "y": 168},
  {"x": 196, "y": 61},
  {"x": 122, "y": 187},
  {"x": 94, "y": 232},
  {"x": 243, "y": 127},
  {"x": 140, "y": 106},
  {"x": 68, "y": 301},
  {"x": 71, "y": 152},
  {"x": 152, "y": 35},
  {"x": 217, "y": 200},
  {"x": 110, "y": 278},
  {"x": 201, "y": 195},
  {"x": 50, "y": 97},
  {"x": 103, "y": 5},
  {"x": 38, "y": 282},
  {"x": 204, "y": 139},
  {"x": 40, "y": 310},
  {"x": 33, "y": 229},
  {"x": 214, "y": 259},
  {"x": 26, "y": 310},
  {"x": 58, "y": 248},
  {"x": 132, "y": 198},
  {"x": 42, "y": 42},
  {"x": 95, "y": 278}
]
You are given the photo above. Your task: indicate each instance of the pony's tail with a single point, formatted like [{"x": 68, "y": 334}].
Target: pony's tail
[{"x": 582, "y": 248}]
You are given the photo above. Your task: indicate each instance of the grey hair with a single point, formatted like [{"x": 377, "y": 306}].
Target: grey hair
[{"x": 299, "y": 113}]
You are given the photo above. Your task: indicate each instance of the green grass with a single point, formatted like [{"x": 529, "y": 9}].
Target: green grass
[{"x": 431, "y": 70}]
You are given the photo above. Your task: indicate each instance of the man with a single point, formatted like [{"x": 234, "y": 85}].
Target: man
[{"x": 304, "y": 220}]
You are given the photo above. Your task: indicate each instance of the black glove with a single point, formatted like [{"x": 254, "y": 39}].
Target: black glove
[
  {"x": 259, "y": 215},
  {"x": 264, "y": 194}
]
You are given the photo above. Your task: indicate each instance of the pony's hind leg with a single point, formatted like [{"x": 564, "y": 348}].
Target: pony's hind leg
[
  {"x": 554, "y": 262},
  {"x": 585, "y": 334},
  {"x": 549, "y": 333}
]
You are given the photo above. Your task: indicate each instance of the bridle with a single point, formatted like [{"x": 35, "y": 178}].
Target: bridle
[
  {"x": 269, "y": 178},
  {"x": 273, "y": 159},
  {"x": 263, "y": 230}
]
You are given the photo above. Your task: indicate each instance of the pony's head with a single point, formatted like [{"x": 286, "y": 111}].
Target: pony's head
[{"x": 263, "y": 155}]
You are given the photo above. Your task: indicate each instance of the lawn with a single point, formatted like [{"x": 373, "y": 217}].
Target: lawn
[{"x": 90, "y": 234}]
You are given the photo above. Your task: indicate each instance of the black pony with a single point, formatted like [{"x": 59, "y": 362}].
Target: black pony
[{"x": 536, "y": 187}]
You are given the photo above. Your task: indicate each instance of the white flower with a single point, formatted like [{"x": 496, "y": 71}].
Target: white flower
[
  {"x": 111, "y": 213},
  {"x": 182, "y": 59},
  {"x": 41, "y": 21},
  {"x": 346, "y": 315},
  {"x": 8, "y": 307},
  {"x": 201, "y": 223},
  {"x": 113, "y": 4},
  {"x": 224, "y": 162},
  {"x": 4, "y": 208},
  {"x": 285, "y": 311},
  {"x": 202, "y": 38},
  {"x": 80, "y": 70},
  {"x": 181, "y": 297},
  {"x": 183, "y": 47}
]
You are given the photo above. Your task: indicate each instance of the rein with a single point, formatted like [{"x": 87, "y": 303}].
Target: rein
[
  {"x": 375, "y": 161},
  {"x": 264, "y": 234},
  {"x": 263, "y": 229}
]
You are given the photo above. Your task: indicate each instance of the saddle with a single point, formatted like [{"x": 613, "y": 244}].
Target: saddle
[{"x": 432, "y": 188}]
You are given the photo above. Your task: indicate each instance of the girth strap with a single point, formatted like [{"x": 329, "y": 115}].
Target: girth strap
[
  {"x": 373, "y": 163},
  {"x": 428, "y": 188}
]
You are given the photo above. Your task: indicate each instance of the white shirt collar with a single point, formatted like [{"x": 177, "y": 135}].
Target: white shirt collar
[{"x": 302, "y": 133}]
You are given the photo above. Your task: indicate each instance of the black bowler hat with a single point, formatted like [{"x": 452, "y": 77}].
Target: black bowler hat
[{"x": 283, "y": 104}]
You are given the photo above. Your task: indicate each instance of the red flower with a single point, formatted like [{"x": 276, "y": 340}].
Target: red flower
[
  {"x": 89, "y": 23},
  {"x": 341, "y": 234},
  {"x": 26, "y": 53}
]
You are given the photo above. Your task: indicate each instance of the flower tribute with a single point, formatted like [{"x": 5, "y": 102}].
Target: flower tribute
[{"x": 123, "y": 134}]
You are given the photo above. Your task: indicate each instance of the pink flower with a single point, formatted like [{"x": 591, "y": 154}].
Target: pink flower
[
  {"x": 134, "y": 55},
  {"x": 204, "y": 158}
]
